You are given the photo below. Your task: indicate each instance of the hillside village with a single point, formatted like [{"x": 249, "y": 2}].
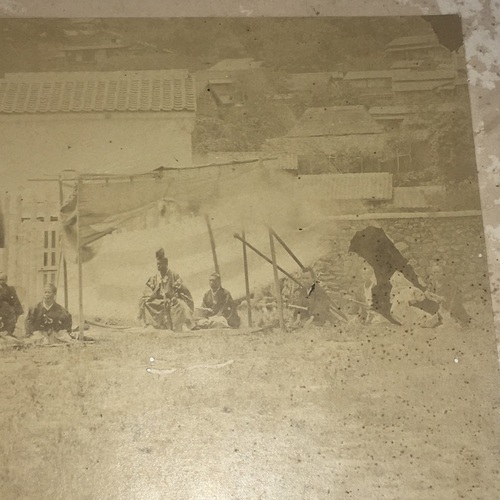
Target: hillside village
[
  {"x": 369, "y": 123},
  {"x": 396, "y": 117}
]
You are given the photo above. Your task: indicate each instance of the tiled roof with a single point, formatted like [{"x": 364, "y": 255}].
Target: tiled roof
[
  {"x": 236, "y": 64},
  {"x": 407, "y": 64},
  {"x": 420, "y": 41},
  {"x": 100, "y": 46},
  {"x": 375, "y": 74},
  {"x": 306, "y": 81},
  {"x": 391, "y": 110},
  {"x": 419, "y": 76},
  {"x": 367, "y": 186},
  {"x": 417, "y": 197},
  {"x": 335, "y": 121},
  {"x": 97, "y": 92}
]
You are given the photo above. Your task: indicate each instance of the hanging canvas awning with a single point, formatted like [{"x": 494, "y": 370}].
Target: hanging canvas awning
[{"x": 101, "y": 203}]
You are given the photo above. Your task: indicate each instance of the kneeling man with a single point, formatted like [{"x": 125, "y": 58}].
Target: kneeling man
[
  {"x": 218, "y": 307},
  {"x": 49, "y": 318}
]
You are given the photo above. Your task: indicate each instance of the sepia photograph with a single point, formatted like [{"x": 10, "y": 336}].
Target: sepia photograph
[{"x": 243, "y": 258}]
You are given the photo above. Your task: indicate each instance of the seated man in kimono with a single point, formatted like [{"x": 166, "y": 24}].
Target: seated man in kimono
[
  {"x": 49, "y": 318},
  {"x": 218, "y": 309},
  {"x": 166, "y": 302},
  {"x": 10, "y": 306}
]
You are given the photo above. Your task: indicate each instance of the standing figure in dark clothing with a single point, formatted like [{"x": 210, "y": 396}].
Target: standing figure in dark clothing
[
  {"x": 10, "y": 306},
  {"x": 48, "y": 317},
  {"x": 166, "y": 303},
  {"x": 218, "y": 307},
  {"x": 375, "y": 247}
]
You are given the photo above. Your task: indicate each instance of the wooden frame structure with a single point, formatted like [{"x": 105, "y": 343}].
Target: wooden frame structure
[
  {"x": 33, "y": 251},
  {"x": 35, "y": 244}
]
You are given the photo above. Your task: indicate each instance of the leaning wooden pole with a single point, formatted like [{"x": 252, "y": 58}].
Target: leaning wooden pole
[
  {"x": 288, "y": 250},
  {"x": 267, "y": 259},
  {"x": 247, "y": 278},
  {"x": 279, "y": 299},
  {"x": 61, "y": 246},
  {"x": 81, "y": 326},
  {"x": 212, "y": 245}
]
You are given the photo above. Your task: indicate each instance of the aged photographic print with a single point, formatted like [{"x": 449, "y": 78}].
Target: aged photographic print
[{"x": 242, "y": 258}]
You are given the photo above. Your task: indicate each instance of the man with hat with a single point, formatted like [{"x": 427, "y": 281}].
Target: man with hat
[
  {"x": 10, "y": 306},
  {"x": 218, "y": 307},
  {"x": 166, "y": 302}
]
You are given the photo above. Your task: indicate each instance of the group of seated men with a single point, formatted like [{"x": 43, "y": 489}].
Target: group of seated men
[
  {"x": 167, "y": 303},
  {"x": 47, "y": 317}
]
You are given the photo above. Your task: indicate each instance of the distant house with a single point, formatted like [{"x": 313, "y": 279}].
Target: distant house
[
  {"x": 392, "y": 117},
  {"x": 246, "y": 87},
  {"x": 90, "y": 53},
  {"x": 108, "y": 122},
  {"x": 223, "y": 85},
  {"x": 422, "y": 64},
  {"x": 88, "y": 44},
  {"x": 373, "y": 84},
  {"x": 407, "y": 64},
  {"x": 227, "y": 69},
  {"x": 307, "y": 82},
  {"x": 374, "y": 187},
  {"x": 416, "y": 48},
  {"x": 334, "y": 139},
  {"x": 241, "y": 64},
  {"x": 418, "y": 197},
  {"x": 220, "y": 93},
  {"x": 418, "y": 82},
  {"x": 84, "y": 42}
]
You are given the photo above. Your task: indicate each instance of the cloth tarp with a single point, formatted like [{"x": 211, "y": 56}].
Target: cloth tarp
[{"x": 104, "y": 203}]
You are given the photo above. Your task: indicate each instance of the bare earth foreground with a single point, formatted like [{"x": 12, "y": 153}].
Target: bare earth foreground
[{"x": 359, "y": 412}]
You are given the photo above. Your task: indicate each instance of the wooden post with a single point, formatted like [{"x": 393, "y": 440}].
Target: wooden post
[
  {"x": 81, "y": 326},
  {"x": 279, "y": 299},
  {"x": 212, "y": 244},
  {"x": 61, "y": 246},
  {"x": 6, "y": 213},
  {"x": 14, "y": 234},
  {"x": 247, "y": 280},
  {"x": 34, "y": 233}
]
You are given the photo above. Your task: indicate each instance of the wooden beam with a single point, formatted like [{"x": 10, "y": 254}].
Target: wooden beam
[
  {"x": 267, "y": 259},
  {"x": 277, "y": 290},
  {"x": 212, "y": 244},
  {"x": 81, "y": 326},
  {"x": 288, "y": 250},
  {"x": 247, "y": 278},
  {"x": 61, "y": 249}
]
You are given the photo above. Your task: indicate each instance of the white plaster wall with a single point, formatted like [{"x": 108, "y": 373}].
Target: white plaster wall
[{"x": 32, "y": 145}]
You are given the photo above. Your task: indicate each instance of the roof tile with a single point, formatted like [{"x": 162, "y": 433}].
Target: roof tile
[{"x": 97, "y": 91}]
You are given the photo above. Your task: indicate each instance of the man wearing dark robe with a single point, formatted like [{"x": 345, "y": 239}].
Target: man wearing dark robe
[
  {"x": 166, "y": 302},
  {"x": 10, "y": 306},
  {"x": 48, "y": 317},
  {"x": 218, "y": 307},
  {"x": 376, "y": 248}
]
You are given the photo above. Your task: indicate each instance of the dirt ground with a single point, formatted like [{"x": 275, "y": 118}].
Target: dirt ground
[
  {"x": 357, "y": 412},
  {"x": 353, "y": 412}
]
